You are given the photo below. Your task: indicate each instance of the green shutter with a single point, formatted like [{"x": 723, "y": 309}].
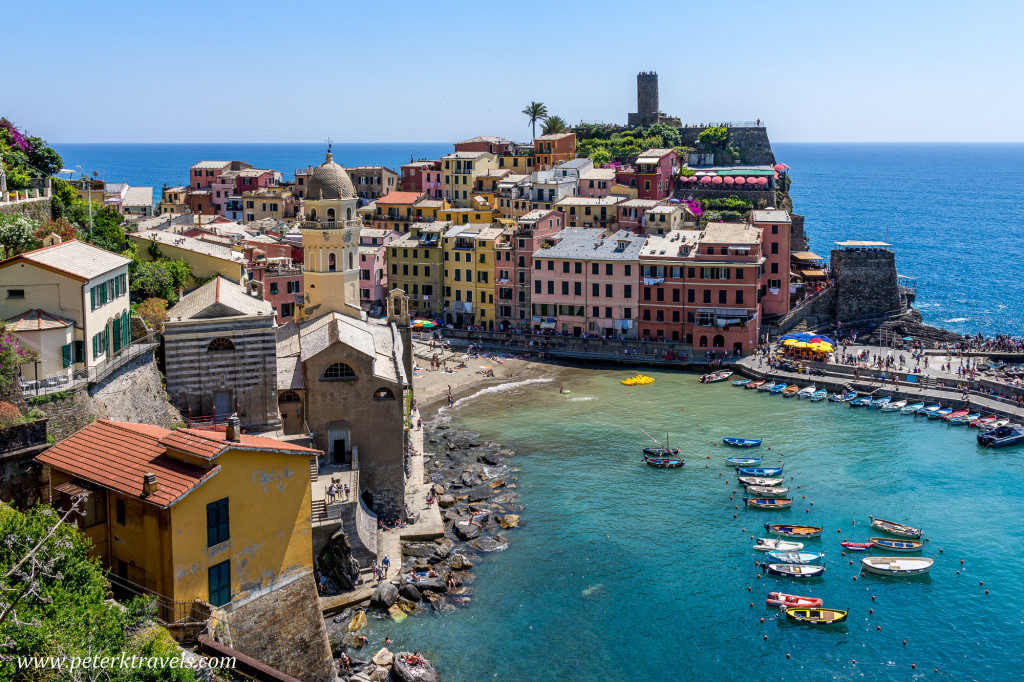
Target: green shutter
[
  {"x": 65, "y": 353},
  {"x": 92, "y": 297},
  {"x": 127, "y": 328},
  {"x": 116, "y": 324}
]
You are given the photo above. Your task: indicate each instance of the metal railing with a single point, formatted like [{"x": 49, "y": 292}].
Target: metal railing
[
  {"x": 169, "y": 612},
  {"x": 100, "y": 371}
]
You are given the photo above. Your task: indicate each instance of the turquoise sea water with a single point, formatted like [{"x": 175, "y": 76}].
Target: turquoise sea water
[
  {"x": 625, "y": 572},
  {"x": 953, "y": 211}
]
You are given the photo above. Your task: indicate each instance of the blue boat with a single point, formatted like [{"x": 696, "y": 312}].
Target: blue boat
[
  {"x": 844, "y": 397},
  {"x": 859, "y": 402},
  {"x": 766, "y": 386},
  {"x": 777, "y": 388},
  {"x": 966, "y": 419},
  {"x": 785, "y": 557},
  {"x": 939, "y": 414},
  {"x": 759, "y": 471},
  {"x": 881, "y": 402},
  {"x": 928, "y": 410},
  {"x": 742, "y": 442},
  {"x": 743, "y": 461},
  {"x": 741, "y": 382},
  {"x": 1002, "y": 436}
]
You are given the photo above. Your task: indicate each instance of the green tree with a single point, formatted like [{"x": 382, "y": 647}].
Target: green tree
[
  {"x": 107, "y": 228},
  {"x": 153, "y": 312},
  {"x": 713, "y": 137},
  {"x": 600, "y": 156},
  {"x": 535, "y": 111},
  {"x": 17, "y": 235},
  {"x": 60, "y": 227},
  {"x": 554, "y": 124}
]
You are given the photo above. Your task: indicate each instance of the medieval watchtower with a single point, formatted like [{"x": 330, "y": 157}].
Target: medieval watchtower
[{"x": 646, "y": 99}]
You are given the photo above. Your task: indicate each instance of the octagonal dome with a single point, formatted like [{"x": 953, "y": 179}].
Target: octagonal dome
[{"x": 329, "y": 181}]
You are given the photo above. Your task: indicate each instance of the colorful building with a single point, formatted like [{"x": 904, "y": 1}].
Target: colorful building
[
  {"x": 422, "y": 177},
  {"x": 663, "y": 218},
  {"x": 597, "y": 182},
  {"x": 190, "y": 515},
  {"x": 600, "y": 212},
  {"x": 775, "y": 229},
  {"x": 373, "y": 272},
  {"x": 514, "y": 279},
  {"x": 553, "y": 149},
  {"x": 415, "y": 265},
  {"x": 372, "y": 182},
  {"x": 653, "y": 174},
  {"x": 469, "y": 257},
  {"x": 397, "y": 211},
  {"x": 205, "y": 174},
  {"x": 460, "y": 172},
  {"x": 498, "y": 146},
  {"x": 282, "y": 285},
  {"x": 631, "y": 213},
  {"x": 586, "y": 283}
]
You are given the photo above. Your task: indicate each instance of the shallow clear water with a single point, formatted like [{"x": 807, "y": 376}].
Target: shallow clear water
[{"x": 622, "y": 571}]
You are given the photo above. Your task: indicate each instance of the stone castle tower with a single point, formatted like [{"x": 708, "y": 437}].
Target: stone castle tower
[
  {"x": 330, "y": 242},
  {"x": 647, "y": 112}
]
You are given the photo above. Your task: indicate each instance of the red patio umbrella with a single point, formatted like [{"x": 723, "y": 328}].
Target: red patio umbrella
[
  {"x": 729, "y": 180},
  {"x": 762, "y": 181},
  {"x": 781, "y": 167},
  {"x": 741, "y": 180},
  {"x": 706, "y": 180},
  {"x": 717, "y": 180},
  {"x": 751, "y": 181}
]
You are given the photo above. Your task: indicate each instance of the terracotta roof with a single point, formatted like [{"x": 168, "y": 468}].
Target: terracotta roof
[
  {"x": 116, "y": 455},
  {"x": 36, "y": 320},
  {"x": 399, "y": 198},
  {"x": 211, "y": 443}
]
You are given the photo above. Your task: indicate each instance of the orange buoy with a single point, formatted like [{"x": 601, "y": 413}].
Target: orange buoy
[
  {"x": 904, "y": 642},
  {"x": 981, "y": 582},
  {"x": 872, "y": 597},
  {"x": 787, "y": 655},
  {"x": 878, "y": 627}
]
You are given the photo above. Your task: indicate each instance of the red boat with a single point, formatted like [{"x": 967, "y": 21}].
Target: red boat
[
  {"x": 791, "y": 600},
  {"x": 956, "y": 415},
  {"x": 857, "y": 546},
  {"x": 981, "y": 422}
]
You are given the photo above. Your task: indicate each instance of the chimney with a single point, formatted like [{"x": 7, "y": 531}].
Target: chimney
[
  {"x": 233, "y": 432},
  {"x": 149, "y": 484}
]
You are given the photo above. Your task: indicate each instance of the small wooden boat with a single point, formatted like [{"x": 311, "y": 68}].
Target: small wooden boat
[
  {"x": 769, "y": 544},
  {"x": 794, "y": 570},
  {"x": 760, "y": 480},
  {"x": 784, "y": 557},
  {"x": 897, "y": 529},
  {"x": 894, "y": 407},
  {"x": 965, "y": 419},
  {"x": 1002, "y": 436},
  {"x": 844, "y": 397},
  {"x": 765, "y": 472},
  {"x": 956, "y": 414},
  {"x": 755, "y": 384},
  {"x": 928, "y": 410},
  {"x": 663, "y": 462},
  {"x": 766, "y": 491},
  {"x": 879, "y": 402},
  {"x": 982, "y": 421},
  {"x": 742, "y": 442},
  {"x": 791, "y": 600},
  {"x": 894, "y": 545},
  {"x": 778, "y": 388},
  {"x": 860, "y": 402},
  {"x": 806, "y": 392},
  {"x": 819, "y": 395},
  {"x": 741, "y": 382},
  {"x": 857, "y": 546},
  {"x": 720, "y": 375},
  {"x": 791, "y": 531},
  {"x": 661, "y": 452},
  {"x": 766, "y": 386},
  {"x": 790, "y": 391},
  {"x": 940, "y": 414},
  {"x": 816, "y": 616},
  {"x": 742, "y": 461},
  {"x": 896, "y": 565},
  {"x": 985, "y": 428},
  {"x": 768, "y": 502},
  {"x": 912, "y": 408}
]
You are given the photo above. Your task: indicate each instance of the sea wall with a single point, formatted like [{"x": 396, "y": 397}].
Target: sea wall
[{"x": 866, "y": 284}]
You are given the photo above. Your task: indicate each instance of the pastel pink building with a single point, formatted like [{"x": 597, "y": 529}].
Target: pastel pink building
[
  {"x": 597, "y": 182},
  {"x": 653, "y": 174},
  {"x": 631, "y": 214},
  {"x": 485, "y": 143},
  {"x": 775, "y": 227},
  {"x": 282, "y": 284},
  {"x": 373, "y": 272},
  {"x": 204, "y": 174},
  {"x": 586, "y": 284},
  {"x": 514, "y": 266}
]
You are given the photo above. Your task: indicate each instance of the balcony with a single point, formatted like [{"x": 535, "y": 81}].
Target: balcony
[{"x": 331, "y": 225}]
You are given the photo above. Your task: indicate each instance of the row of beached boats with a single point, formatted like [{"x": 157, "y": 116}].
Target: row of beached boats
[{"x": 993, "y": 431}]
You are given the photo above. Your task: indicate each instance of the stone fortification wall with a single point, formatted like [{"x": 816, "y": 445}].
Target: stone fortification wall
[
  {"x": 866, "y": 284},
  {"x": 797, "y": 238},
  {"x": 37, "y": 209},
  {"x": 134, "y": 393},
  {"x": 285, "y": 630},
  {"x": 19, "y": 472},
  {"x": 752, "y": 143}
]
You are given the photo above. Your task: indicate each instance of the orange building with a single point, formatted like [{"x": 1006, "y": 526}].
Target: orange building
[{"x": 551, "y": 150}]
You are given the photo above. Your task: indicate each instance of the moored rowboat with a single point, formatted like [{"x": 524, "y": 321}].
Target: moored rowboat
[
  {"x": 768, "y": 544},
  {"x": 766, "y": 491},
  {"x": 794, "y": 570},
  {"x": 720, "y": 375},
  {"x": 661, "y": 452},
  {"x": 741, "y": 382},
  {"x": 894, "y": 545},
  {"x": 896, "y": 565},
  {"x": 790, "y": 391},
  {"x": 857, "y": 546},
  {"x": 792, "y": 531},
  {"x": 819, "y": 395},
  {"x": 760, "y": 480},
  {"x": 755, "y": 384},
  {"x": 663, "y": 462},
  {"x": 784, "y": 557},
  {"x": 768, "y": 502},
  {"x": 791, "y": 600},
  {"x": 912, "y": 408},
  {"x": 818, "y": 616},
  {"x": 742, "y": 442},
  {"x": 897, "y": 529},
  {"x": 759, "y": 471},
  {"x": 742, "y": 461},
  {"x": 894, "y": 407}
]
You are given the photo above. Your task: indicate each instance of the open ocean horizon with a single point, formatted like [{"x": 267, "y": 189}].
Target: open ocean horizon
[{"x": 953, "y": 212}]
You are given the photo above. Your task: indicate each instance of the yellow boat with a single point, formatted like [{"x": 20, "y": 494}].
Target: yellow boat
[{"x": 638, "y": 380}]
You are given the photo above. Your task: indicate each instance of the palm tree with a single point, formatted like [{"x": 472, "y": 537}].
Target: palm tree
[
  {"x": 554, "y": 124},
  {"x": 535, "y": 111}
]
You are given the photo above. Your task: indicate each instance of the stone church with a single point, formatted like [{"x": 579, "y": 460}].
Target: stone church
[{"x": 341, "y": 378}]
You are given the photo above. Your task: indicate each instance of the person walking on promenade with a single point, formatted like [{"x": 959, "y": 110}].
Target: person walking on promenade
[
  {"x": 385, "y": 565},
  {"x": 373, "y": 567}
]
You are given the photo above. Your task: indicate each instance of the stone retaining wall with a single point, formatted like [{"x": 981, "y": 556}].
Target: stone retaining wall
[{"x": 35, "y": 209}]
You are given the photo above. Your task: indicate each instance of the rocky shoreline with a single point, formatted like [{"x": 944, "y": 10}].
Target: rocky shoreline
[{"x": 475, "y": 486}]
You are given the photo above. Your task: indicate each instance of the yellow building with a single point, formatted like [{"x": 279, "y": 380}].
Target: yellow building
[
  {"x": 467, "y": 216},
  {"x": 459, "y": 172},
  {"x": 520, "y": 161},
  {"x": 399, "y": 210},
  {"x": 469, "y": 257},
  {"x": 173, "y": 200},
  {"x": 213, "y": 516},
  {"x": 416, "y": 266},
  {"x": 206, "y": 258}
]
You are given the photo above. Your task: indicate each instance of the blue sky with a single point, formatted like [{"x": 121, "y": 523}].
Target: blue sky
[{"x": 440, "y": 71}]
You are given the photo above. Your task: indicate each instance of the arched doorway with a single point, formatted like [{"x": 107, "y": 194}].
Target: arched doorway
[
  {"x": 737, "y": 348},
  {"x": 330, "y": 215},
  {"x": 289, "y": 404},
  {"x": 703, "y": 342},
  {"x": 718, "y": 341}
]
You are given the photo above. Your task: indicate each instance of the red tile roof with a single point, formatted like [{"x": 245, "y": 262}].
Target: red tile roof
[
  {"x": 210, "y": 443},
  {"x": 399, "y": 198},
  {"x": 37, "y": 320},
  {"x": 115, "y": 455}
]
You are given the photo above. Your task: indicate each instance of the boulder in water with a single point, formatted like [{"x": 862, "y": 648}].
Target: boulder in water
[
  {"x": 403, "y": 671},
  {"x": 467, "y": 531},
  {"x": 497, "y": 483},
  {"x": 383, "y": 658},
  {"x": 461, "y": 563},
  {"x": 445, "y": 501},
  {"x": 358, "y": 621},
  {"x": 384, "y": 596},
  {"x": 410, "y": 592},
  {"x": 491, "y": 458},
  {"x": 509, "y": 521}
]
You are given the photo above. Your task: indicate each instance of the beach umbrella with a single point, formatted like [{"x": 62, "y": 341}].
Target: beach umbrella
[
  {"x": 729, "y": 180},
  {"x": 717, "y": 180},
  {"x": 741, "y": 180},
  {"x": 790, "y": 342},
  {"x": 781, "y": 167},
  {"x": 908, "y": 338},
  {"x": 752, "y": 181},
  {"x": 706, "y": 180},
  {"x": 485, "y": 367},
  {"x": 762, "y": 181},
  {"x": 804, "y": 336}
]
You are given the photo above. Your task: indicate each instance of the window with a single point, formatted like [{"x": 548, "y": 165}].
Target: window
[
  {"x": 565, "y": 288},
  {"x": 579, "y": 268},
  {"x": 220, "y": 583},
  {"x": 722, "y": 296},
  {"x": 273, "y": 288},
  {"x": 595, "y": 291},
  {"x": 647, "y": 314},
  {"x": 332, "y": 263},
  {"x": 119, "y": 512},
  {"x": 775, "y": 247},
  {"x": 536, "y": 265},
  {"x": 627, "y": 289},
  {"x": 775, "y": 229},
  {"x": 739, "y": 297},
  {"x": 647, "y": 293},
  {"x": 217, "y": 522},
  {"x": 383, "y": 394},
  {"x": 739, "y": 273},
  {"x": 338, "y": 370},
  {"x": 551, "y": 265},
  {"x": 578, "y": 288},
  {"x": 608, "y": 269},
  {"x": 660, "y": 295},
  {"x": 221, "y": 343},
  {"x": 20, "y": 293},
  {"x": 288, "y": 309},
  {"x": 707, "y": 295},
  {"x": 551, "y": 287},
  {"x": 536, "y": 286},
  {"x": 675, "y": 295},
  {"x": 627, "y": 313},
  {"x": 675, "y": 315},
  {"x": 565, "y": 266}
]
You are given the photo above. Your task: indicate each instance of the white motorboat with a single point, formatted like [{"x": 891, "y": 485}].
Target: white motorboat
[
  {"x": 894, "y": 407},
  {"x": 766, "y": 491},
  {"x": 806, "y": 392},
  {"x": 774, "y": 544},
  {"x": 897, "y": 565}
]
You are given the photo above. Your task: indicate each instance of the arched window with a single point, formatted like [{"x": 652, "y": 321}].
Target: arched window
[
  {"x": 289, "y": 397},
  {"x": 718, "y": 341},
  {"x": 383, "y": 394},
  {"x": 332, "y": 262},
  {"x": 312, "y": 214},
  {"x": 330, "y": 215},
  {"x": 351, "y": 261},
  {"x": 338, "y": 370},
  {"x": 348, "y": 213},
  {"x": 220, "y": 343},
  {"x": 703, "y": 342}
]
